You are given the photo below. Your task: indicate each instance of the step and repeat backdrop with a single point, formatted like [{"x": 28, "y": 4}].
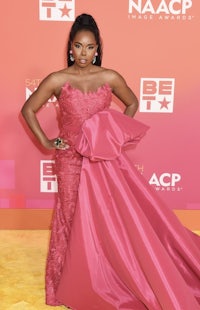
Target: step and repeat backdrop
[{"x": 153, "y": 43}]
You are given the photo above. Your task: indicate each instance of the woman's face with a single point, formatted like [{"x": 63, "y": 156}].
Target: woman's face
[{"x": 84, "y": 47}]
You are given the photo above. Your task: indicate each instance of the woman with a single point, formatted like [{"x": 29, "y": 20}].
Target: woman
[{"x": 113, "y": 243}]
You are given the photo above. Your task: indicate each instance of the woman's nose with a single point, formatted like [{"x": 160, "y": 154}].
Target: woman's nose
[{"x": 83, "y": 52}]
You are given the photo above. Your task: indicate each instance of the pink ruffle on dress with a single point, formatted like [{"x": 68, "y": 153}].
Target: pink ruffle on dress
[{"x": 124, "y": 248}]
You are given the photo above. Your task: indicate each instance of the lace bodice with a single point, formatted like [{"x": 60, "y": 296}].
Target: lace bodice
[{"x": 76, "y": 106}]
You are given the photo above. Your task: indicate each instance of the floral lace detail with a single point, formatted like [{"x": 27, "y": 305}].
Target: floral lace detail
[{"x": 75, "y": 108}]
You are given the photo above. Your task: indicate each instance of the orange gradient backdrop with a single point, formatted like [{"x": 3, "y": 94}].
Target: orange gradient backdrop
[{"x": 152, "y": 40}]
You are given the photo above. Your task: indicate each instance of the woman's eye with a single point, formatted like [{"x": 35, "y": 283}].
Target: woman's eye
[
  {"x": 77, "y": 45},
  {"x": 91, "y": 47}
]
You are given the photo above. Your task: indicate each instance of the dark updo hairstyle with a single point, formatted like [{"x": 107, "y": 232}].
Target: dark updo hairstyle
[{"x": 85, "y": 22}]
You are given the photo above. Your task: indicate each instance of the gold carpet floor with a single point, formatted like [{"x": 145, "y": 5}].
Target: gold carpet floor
[{"x": 22, "y": 268}]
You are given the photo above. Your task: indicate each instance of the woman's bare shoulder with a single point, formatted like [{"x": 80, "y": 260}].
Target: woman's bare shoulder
[
  {"x": 112, "y": 77},
  {"x": 58, "y": 77},
  {"x": 55, "y": 80}
]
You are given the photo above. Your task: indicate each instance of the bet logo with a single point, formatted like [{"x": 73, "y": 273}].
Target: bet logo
[
  {"x": 157, "y": 95},
  {"x": 57, "y": 10}
]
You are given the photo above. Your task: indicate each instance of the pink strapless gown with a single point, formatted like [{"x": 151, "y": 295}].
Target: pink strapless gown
[{"x": 114, "y": 244}]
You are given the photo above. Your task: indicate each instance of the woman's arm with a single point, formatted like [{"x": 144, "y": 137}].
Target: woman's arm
[
  {"x": 122, "y": 91},
  {"x": 45, "y": 90}
]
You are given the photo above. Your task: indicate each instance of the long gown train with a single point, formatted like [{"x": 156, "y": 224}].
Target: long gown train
[
  {"x": 114, "y": 244},
  {"x": 127, "y": 249}
]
